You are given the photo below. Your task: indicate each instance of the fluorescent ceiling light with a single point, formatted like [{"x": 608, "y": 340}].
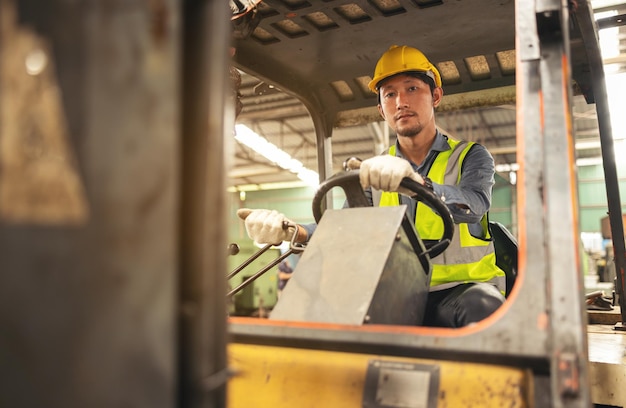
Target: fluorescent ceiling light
[
  {"x": 271, "y": 152},
  {"x": 267, "y": 186}
]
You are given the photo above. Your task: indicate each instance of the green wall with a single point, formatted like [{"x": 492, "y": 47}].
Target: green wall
[
  {"x": 502, "y": 200},
  {"x": 592, "y": 195}
]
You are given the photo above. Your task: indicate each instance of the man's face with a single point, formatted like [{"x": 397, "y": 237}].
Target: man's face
[{"x": 407, "y": 104}]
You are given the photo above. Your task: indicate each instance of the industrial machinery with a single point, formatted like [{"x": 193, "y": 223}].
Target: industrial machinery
[{"x": 539, "y": 336}]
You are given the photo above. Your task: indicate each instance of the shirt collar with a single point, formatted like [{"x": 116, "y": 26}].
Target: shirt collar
[{"x": 440, "y": 144}]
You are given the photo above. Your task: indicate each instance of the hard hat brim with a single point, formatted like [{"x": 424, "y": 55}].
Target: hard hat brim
[{"x": 373, "y": 84}]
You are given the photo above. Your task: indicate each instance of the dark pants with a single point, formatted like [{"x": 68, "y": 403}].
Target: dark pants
[{"x": 461, "y": 305}]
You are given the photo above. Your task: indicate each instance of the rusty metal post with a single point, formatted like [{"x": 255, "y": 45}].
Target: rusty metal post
[{"x": 207, "y": 124}]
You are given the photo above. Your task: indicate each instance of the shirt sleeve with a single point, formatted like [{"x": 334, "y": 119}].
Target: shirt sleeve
[
  {"x": 471, "y": 198},
  {"x": 310, "y": 229}
]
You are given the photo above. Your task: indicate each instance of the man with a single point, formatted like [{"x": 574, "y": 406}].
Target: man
[
  {"x": 284, "y": 274},
  {"x": 466, "y": 284}
]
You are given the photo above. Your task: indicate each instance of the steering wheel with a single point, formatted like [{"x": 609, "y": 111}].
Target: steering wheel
[{"x": 349, "y": 182}]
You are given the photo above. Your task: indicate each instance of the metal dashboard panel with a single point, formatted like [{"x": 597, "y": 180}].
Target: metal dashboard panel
[{"x": 359, "y": 267}]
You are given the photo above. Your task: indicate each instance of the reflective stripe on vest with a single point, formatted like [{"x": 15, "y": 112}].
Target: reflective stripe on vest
[{"x": 467, "y": 258}]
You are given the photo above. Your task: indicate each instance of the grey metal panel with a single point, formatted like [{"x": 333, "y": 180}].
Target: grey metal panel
[{"x": 359, "y": 267}]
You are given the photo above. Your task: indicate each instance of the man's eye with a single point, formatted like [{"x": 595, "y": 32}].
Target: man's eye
[{"x": 388, "y": 95}]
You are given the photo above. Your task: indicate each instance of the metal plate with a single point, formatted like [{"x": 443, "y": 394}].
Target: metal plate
[
  {"x": 397, "y": 384},
  {"x": 359, "y": 266}
]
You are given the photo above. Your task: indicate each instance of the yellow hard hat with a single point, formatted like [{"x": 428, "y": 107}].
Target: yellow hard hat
[{"x": 398, "y": 59}]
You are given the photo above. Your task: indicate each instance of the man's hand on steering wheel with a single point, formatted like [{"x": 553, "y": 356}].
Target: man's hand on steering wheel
[{"x": 385, "y": 173}]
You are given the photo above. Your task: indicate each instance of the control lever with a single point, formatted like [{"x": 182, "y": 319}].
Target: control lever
[{"x": 294, "y": 248}]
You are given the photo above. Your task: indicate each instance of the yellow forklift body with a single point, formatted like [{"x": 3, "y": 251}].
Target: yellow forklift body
[{"x": 270, "y": 376}]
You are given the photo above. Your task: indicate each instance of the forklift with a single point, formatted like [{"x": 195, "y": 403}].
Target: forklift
[{"x": 112, "y": 240}]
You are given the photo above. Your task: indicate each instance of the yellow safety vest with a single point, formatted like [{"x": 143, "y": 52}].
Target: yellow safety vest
[{"x": 467, "y": 258}]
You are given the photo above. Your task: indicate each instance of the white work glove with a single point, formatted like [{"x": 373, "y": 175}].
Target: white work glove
[
  {"x": 385, "y": 173},
  {"x": 266, "y": 226}
]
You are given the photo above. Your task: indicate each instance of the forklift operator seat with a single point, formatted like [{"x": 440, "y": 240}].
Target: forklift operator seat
[{"x": 506, "y": 249}]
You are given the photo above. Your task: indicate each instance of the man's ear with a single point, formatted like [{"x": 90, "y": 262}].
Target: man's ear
[
  {"x": 380, "y": 110},
  {"x": 437, "y": 96}
]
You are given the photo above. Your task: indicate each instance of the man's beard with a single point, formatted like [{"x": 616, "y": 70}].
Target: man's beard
[{"x": 409, "y": 131}]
